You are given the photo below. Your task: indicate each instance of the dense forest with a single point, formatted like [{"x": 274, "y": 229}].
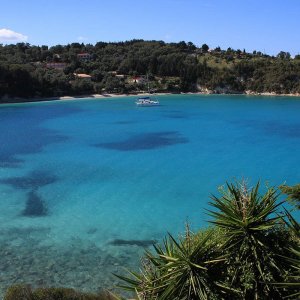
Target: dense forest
[{"x": 28, "y": 71}]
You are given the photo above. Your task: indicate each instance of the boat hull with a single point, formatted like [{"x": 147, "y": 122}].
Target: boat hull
[
  {"x": 147, "y": 104},
  {"x": 146, "y": 101}
]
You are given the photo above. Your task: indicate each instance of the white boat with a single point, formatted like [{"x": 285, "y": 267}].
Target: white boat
[{"x": 146, "y": 101}]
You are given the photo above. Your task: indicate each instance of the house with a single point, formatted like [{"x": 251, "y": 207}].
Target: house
[
  {"x": 137, "y": 79},
  {"x": 83, "y": 76},
  {"x": 120, "y": 76},
  {"x": 115, "y": 74},
  {"x": 84, "y": 56},
  {"x": 56, "y": 65}
]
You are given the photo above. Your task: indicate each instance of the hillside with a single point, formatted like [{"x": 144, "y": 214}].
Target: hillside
[{"x": 28, "y": 71}]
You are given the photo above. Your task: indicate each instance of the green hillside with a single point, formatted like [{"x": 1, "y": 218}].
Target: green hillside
[{"x": 28, "y": 71}]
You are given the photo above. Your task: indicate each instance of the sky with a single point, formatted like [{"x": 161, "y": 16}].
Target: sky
[{"x": 269, "y": 26}]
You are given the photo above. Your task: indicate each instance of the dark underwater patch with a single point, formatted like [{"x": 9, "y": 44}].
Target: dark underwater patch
[
  {"x": 35, "y": 206},
  {"x": 272, "y": 128},
  {"x": 33, "y": 180},
  {"x": 8, "y": 161},
  {"x": 20, "y": 232},
  {"x": 175, "y": 114},
  {"x": 124, "y": 122},
  {"x": 140, "y": 243},
  {"x": 23, "y": 132},
  {"x": 146, "y": 141},
  {"x": 92, "y": 230},
  {"x": 283, "y": 130},
  {"x": 25, "y": 142}
]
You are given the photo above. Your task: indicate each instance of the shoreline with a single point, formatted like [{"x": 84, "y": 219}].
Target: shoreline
[{"x": 18, "y": 100}]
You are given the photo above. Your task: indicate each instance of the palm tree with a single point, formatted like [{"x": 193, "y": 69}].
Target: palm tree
[
  {"x": 293, "y": 193},
  {"x": 293, "y": 282},
  {"x": 180, "y": 270},
  {"x": 241, "y": 257},
  {"x": 253, "y": 238}
]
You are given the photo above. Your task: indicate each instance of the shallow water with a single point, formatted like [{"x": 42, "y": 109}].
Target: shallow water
[{"x": 86, "y": 185}]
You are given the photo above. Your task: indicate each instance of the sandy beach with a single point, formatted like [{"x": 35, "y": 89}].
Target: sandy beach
[
  {"x": 97, "y": 96},
  {"x": 105, "y": 96},
  {"x": 110, "y": 95}
]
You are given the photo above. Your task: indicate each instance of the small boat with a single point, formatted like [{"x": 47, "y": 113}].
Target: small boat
[{"x": 146, "y": 101}]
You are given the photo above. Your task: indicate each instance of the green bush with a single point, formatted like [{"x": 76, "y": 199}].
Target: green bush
[
  {"x": 183, "y": 269},
  {"x": 24, "y": 292},
  {"x": 293, "y": 193},
  {"x": 242, "y": 257},
  {"x": 19, "y": 292}
]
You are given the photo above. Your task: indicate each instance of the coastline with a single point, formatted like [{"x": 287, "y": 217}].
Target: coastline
[{"x": 18, "y": 100}]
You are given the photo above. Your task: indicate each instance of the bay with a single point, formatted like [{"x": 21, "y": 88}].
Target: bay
[{"x": 87, "y": 185}]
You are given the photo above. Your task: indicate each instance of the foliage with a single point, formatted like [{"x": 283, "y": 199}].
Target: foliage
[
  {"x": 183, "y": 269},
  {"x": 293, "y": 193},
  {"x": 254, "y": 237},
  {"x": 293, "y": 280},
  {"x": 239, "y": 258},
  {"x": 24, "y": 71},
  {"x": 204, "y": 47},
  {"x": 18, "y": 292},
  {"x": 24, "y": 292}
]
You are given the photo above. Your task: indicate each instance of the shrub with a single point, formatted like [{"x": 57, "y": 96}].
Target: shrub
[
  {"x": 241, "y": 257},
  {"x": 24, "y": 292}
]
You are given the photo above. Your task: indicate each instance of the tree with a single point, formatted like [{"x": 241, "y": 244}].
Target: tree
[
  {"x": 184, "y": 269},
  {"x": 293, "y": 193},
  {"x": 254, "y": 239},
  {"x": 191, "y": 46},
  {"x": 182, "y": 45},
  {"x": 138, "y": 57},
  {"x": 113, "y": 84},
  {"x": 284, "y": 55},
  {"x": 243, "y": 257},
  {"x": 204, "y": 48},
  {"x": 293, "y": 282}
]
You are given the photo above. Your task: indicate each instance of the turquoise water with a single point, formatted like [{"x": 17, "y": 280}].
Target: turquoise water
[{"x": 86, "y": 185}]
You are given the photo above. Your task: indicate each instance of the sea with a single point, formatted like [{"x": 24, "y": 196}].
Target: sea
[{"x": 86, "y": 186}]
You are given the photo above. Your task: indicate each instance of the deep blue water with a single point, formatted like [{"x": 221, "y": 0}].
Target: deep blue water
[{"x": 86, "y": 184}]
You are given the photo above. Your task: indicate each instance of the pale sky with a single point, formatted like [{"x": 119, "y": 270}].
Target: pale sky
[{"x": 264, "y": 25}]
